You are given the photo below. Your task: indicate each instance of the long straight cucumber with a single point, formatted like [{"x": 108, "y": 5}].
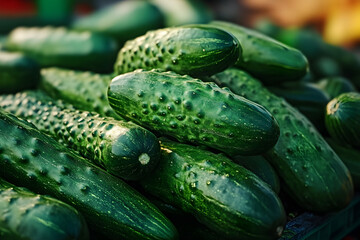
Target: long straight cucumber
[
  {"x": 193, "y": 111},
  {"x": 312, "y": 173},
  {"x": 222, "y": 195},
  {"x": 111, "y": 207},
  {"x": 36, "y": 217},
  {"x": 122, "y": 148}
]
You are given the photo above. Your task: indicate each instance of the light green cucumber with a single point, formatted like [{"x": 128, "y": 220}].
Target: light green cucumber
[
  {"x": 36, "y": 217},
  {"x": 311, "y": 171},
  {"x": 122, "y": 148},
  {"x": 193, "y": 111},
  {"x": 334, "y": 86},
  {"x": 196, "y": 50},
  {"x": 112, "y": 208},
  {"x": 61, "y": 47},
  {"x": 84, "y": 90}
]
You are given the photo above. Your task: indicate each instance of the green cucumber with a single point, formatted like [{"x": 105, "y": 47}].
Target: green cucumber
[
  {"x": 334, "y": 86},
  {"x": 262, "y": 168},
  {"x": 222, "y": 195},
  {"x": 193, "y": 111},
  {"x": 351, "y": 158},
  {"x": 307, "y": 98},
  {"x": 122, "y": 148},
  {"x": 263, "y": 57},
  {"x": 37, "y": 217},
  {"x": 196, "y": 50},
  {"x": 17, "y": 72},
  {"x": 110, "y": 206},
  {"x": 61, "y": 47},
  {"x": 311, "y": 171},
  {"x": 342, "y": 118},
  {"x": 84, "y": 90},
  {"x": 181, "y": 12},
  {"x": 123, "y": 20}
]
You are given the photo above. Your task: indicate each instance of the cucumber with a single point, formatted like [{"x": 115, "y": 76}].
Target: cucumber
[
  {"x": 193, "y": 111},
  {"x": 123, "y": 20},
  {"x": 181, "y": 12},
  {"x": 196, "y": 50},
  {"x": 301, "y": 157},
  {"x": 122, "y": 148},
  {"x": 110, "y": 206},
  {"x": 262, "y": 168},
  {"x": 84, "y": 90},
  {"x": 351, "y": 158},
  {"x": 334, "y": 86},
  {"x": 58, "y": 46},
  {"x": 222, "y": 195},
  {"x": 265, "y": 58},
  {"x": 307, "y": 98},
  {"x": 342, "y": 118},
  {"x": 37, "y": 217},
  {"x": 17, "y": 72}
]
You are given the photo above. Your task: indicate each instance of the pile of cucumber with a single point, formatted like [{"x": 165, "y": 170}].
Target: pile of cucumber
[{"x": 154, "y": 128}]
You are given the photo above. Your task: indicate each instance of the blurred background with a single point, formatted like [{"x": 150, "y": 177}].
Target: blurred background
[{"x": 338, "y": 21}]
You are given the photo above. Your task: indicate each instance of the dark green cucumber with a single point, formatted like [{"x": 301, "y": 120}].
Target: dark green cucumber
[
  {"x": 84, "y": 90},
  {"x": 61, "y": 47},
  {"x": 262, "y": 168},
  {"x": 351, "y": 158},
  {"x": 36, "y": 161},
  {"x": 37, "y": 217},
  {"x": 334, "y": 86},
  {"x": 122, "y": 148},
  {"x": 269, "y": 60},
  {"x": 181, "y": 12},
  {"x": 222, "y": 195},
  {"x": 17, "y": 72},
  {"x": 342, "y": 118},
  {"x": 311, "y": 171},
  {"x": 123, "y": 20},
  {"x": 307, "y": 98},
  {"x": 196, "y": 50},
  {"x": 193, "y": 111}
]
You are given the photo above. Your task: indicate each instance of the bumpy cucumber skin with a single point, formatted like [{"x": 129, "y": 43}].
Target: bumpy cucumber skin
[
  {"x": 221, "y": 194},
  {"x": 17, "y": 72},
  {"x": 39, "y": 217},
  {"x": 193, "y": 111},
  {"x": 60, "y": 47},
  {"x": 350, "y": 157},
  {"x": 196, "y": 50},
  {"x": 36, "y": 161},
  {"x": 312, "y": 173},
  {"x": 84, "y": 90},
  {"x": 342, "y": 118},
  {"x": 122, "y": 148},
  {"x": 123, "y": 21},
  {"x": 334, "y": 86},
  {"x": 269, "y": 60},
  {"x": 262, "y": 168}
]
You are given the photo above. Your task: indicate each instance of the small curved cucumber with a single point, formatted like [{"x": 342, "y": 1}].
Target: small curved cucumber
[
  {"x": 34, "y": 160},
  {"x": 84, "y": 90},
  {"x": 61, "y": 47},
  {"x": 265, "y": 58},
  {"x": 342, "y": 118},
  {"x": 193, "y": 111},
  {"x": 36, "y": 217},
  {"x": 17, "y": 72},
  {"x": 196, "y": 50},
  {"x": 222, "y": 195},
  {"x": 122, "y": 148},
  {"x": 334, "y": 86},
  {"x": 262, "y": 168},
  {"x": 301, "y": 157},
  {"x": 123, "y": 20}
]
